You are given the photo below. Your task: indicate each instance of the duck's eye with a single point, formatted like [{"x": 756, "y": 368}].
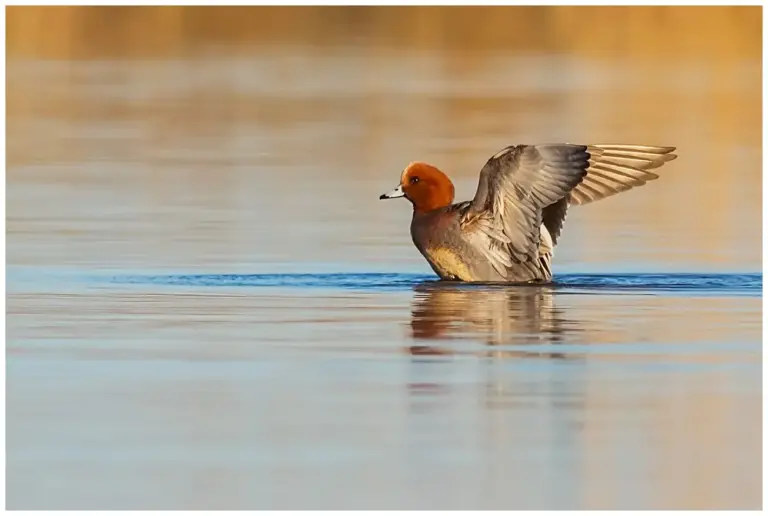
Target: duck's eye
[{"x": 414, "y": 180}]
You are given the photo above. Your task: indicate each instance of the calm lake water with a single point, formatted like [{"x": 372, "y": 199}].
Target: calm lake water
[{"x": 208, "y": 306}]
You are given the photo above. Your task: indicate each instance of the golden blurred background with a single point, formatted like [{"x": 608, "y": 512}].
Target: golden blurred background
[
  {"x": 638, "y": 32},
  {"x": 365, "y": 90}
]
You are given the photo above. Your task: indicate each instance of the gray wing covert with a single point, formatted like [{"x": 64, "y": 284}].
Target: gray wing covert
[{"x": 515, "y": 186}]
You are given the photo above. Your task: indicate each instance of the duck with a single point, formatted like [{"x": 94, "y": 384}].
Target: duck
[{"x": 508, "y": 232}]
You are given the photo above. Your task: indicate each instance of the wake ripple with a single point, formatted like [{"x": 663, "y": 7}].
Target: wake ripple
[{"x": 745, "y": 284}]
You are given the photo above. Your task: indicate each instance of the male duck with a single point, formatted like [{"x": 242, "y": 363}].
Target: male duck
[{"x": 508, "y": 232}]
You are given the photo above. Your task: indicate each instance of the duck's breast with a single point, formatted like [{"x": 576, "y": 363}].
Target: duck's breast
[{"x": 439, "y": 238}]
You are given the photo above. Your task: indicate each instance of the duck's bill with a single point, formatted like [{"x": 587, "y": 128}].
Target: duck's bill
[{"x": 393, "y": 194}]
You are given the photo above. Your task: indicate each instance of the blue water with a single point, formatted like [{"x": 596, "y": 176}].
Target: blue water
[{"x": 702, "y": 284}]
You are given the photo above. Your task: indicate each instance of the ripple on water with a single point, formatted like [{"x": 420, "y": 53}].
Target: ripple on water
[{"x": 715, "y": 284}]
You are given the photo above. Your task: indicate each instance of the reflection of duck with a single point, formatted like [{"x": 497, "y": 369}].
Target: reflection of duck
[
  {"x": 512, "y": 315},
  {"x": 484, "y": 320}
]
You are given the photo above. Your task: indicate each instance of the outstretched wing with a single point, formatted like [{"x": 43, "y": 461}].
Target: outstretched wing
[
  {"x": 617, "y": 168},
  {"x": 515, "y": 186},
  {"x": 523, "y": 186},
  {"x": 612, "y": 169}
]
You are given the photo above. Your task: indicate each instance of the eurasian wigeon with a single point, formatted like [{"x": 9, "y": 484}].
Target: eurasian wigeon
[{"x": 508, "y": 232}]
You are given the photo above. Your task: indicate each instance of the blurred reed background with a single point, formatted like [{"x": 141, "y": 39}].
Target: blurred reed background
[{"x": 720, "y": 34}]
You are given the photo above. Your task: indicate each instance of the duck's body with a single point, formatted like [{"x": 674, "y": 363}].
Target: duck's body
[
  {"x": 453, "y": 253},
  {"x": 508, "y": 232}
]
